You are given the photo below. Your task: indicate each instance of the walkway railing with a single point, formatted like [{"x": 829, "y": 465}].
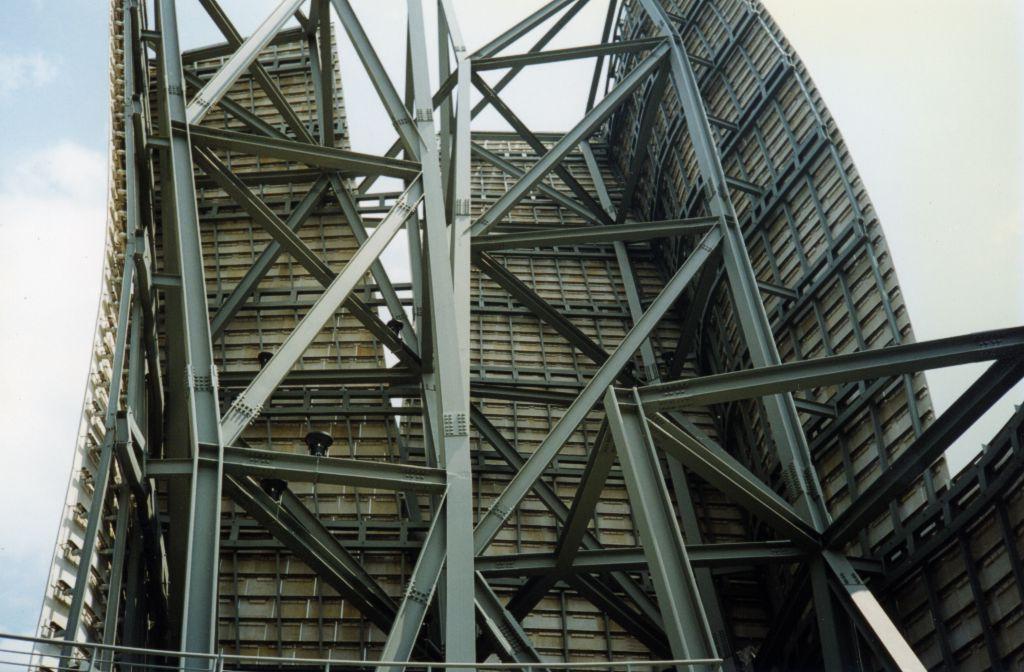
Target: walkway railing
[{"x": 19, "y": 652}]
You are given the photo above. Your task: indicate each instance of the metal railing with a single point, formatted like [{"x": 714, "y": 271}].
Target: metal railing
[{"x": 56, "y": 655}]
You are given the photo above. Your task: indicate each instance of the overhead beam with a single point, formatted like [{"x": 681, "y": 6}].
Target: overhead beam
[
  {"x": 725, "y": 555},
  {"x": 894, "y": 360},
  {"x": 293, "y": 467},
  {"x": 588, "y": 235},
  {"x": 572, "y": 53},
  {"x": 348, "y": 162}
]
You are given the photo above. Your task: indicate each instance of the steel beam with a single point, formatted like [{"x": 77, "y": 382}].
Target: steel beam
[
  {"x": 507, "y": 452},
  {"x": 599, "y": 465},
  {"x": 401, "y": 119},
  {"x": 547, "y": 313},
  {"x": 247, "y": 405},
  {"x": 571, "y": 53},
  {"x": 711, "y": 462},
  {"x": 723, "y": 555},
  {"x": 568, "y": 142},
  {"x": 588, "y": 235},
  {"x": 922, "y": 453},
  {"x": 513, "y": 34},
  {"x": 294, "y": 467},
  {"x": 332, "y": 158},
  {"x": 259, "y": 73},
  {"x": 549, "y": 191},
  {"x": 648, "y": 118},
  {"x": 538, "y": 147},
  {"x": 678, "y": 598},
  {"x": 263, "y": 263},
  {"x": 824, "y": 371},
  {"x": 242, "y": 114},
  {"x": 240, "y": 61},
  {"x": 521, "y": 483},
  {"x": 541, "y": 42},
  {"x": 426, "y": 573},
  {"x": 451, "y": 392},
  {"x": 508, "y": 637},
  {"x": 325, "y": 111},
  {"x": 193, "y": 414},
  {"x": 305, "y": 536},
  {"x": 880, "y": 626}
]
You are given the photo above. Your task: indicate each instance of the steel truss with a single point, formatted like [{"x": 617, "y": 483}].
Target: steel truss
[{"x": 177, "y": 441}]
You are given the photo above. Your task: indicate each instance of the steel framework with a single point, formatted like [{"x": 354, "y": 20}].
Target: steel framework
[{"x": 651, "y": 390}]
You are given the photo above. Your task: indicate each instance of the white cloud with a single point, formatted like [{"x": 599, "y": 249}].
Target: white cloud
[
  {"x": 24, "y": 71},
  {"x": 52, "y": 212}
]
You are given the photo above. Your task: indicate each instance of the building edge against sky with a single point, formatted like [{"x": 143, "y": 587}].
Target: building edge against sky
[{"x": 820, "y": 260}]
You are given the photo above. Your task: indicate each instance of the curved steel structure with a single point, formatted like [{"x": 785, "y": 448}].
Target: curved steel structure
[{"x": 645, "y": 389}]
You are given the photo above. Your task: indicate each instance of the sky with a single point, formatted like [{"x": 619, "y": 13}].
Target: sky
[{"x": 927, "y": 93}]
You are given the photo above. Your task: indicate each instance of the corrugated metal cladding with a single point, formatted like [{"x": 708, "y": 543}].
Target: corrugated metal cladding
[{"x": 949, "y": 551}]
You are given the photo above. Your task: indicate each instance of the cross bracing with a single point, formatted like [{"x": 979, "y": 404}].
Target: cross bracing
[{"x": 654, "y": 390}]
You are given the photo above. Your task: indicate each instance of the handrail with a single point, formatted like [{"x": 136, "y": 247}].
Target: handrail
[{"x": 334, "y": 662}]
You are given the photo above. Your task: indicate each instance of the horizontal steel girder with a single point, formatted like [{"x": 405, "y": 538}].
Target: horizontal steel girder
[
  {"x": 572, "y": 53},
  {"x": 312, "y": 469},
  {"x": 978, "y": 347},
  {"x": 585, "y": 235},
  {"x": 343, "y": 160},
  {"x": 632, "y": 559}
]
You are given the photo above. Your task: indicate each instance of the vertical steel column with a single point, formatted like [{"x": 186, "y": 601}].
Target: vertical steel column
[
  {"x": 782, "y": 414},
  {"x": 194, "y": 420},
  {"x": 684, "y": 502},
  {"x": 790, "y": 442},
  {"x": 787, "y": 432},
  {"x": 678, "y": 598},
  {"x": 452, "y": 389}
]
